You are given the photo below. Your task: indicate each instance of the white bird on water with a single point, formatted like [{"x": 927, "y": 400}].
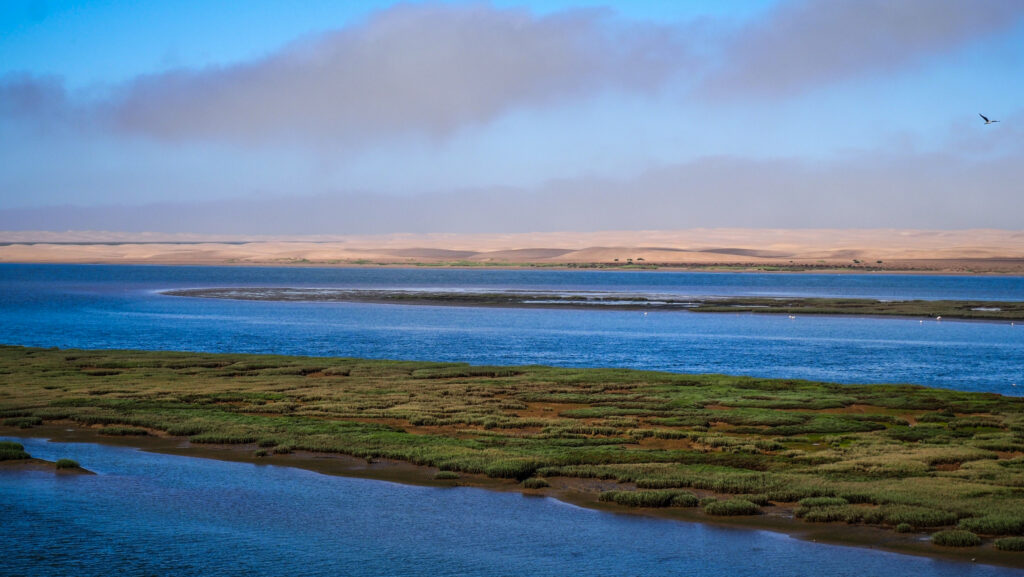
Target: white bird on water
[{"x": 985, "y": 118}]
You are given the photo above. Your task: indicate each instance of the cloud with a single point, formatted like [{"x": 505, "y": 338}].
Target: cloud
[
  {"x": 429, "y": 68},
  {"x": 39, "y": 102},
  {"x": 803, "y": 43},
  {"x": 434, "y": 68}
]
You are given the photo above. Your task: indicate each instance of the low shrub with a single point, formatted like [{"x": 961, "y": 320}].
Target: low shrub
[
  {"x": 11, "y": 451},
  {"x": 956, "y": 538},
  {"x": 512, "y": 469},
  {"x": 916, "y": 516},
  {"x": 222, "y": 439},
  {"x": 67, "y": 464},
  {"x": 1010, "y": 544},
  {"x": 904, "y": 528},
  {"x": 822, "y": 501},
  {"x": 997, "y": 524},
  {"x": 650, "y": 498},
  {"x": 825, "y": 514},
  {"x": 23, "y": 422},
  {"x": 123, "y": 431},
  {"x": 732, "y": 507},
  {"x": 535, "y": 483},
  {"x": 684, "y": 499}
]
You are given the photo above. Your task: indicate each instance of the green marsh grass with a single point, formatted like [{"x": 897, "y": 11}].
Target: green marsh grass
[
  {"x": 1010, "y": 544},
  {"x": 732, "y": 507},
  {"x": 11, "y": 451},
  {"x": 956, "y": 538},
  {"x": 23, "y": 422},
  {"x": 845, "y": 453}
]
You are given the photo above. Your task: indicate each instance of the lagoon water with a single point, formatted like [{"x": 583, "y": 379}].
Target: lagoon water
[
  {"x": 120, "y": 307},
  {"x": 149, "y": 514},
  {"x": 154, "y": 514}
]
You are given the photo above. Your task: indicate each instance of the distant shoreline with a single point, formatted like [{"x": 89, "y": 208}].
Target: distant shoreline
[
  {"x": 997, "y": 252},
  {"x": 952, "y": 309}
]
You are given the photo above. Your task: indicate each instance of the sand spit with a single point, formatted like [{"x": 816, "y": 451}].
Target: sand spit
[{"x": 955, "y": 251}]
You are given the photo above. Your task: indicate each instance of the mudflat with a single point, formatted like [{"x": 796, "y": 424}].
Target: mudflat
[{"x": 981, "y": 251}]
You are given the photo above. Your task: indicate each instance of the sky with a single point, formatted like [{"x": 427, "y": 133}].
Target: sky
[{"x": 323, "y": 117}]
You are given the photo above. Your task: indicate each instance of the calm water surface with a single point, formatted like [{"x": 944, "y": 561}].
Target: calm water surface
[
  {"x": 120, "y": 307},
  {"x": 149, "y": 514}
]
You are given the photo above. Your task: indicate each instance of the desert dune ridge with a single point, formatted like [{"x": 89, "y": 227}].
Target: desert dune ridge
[{"x": 978, "y": 250}]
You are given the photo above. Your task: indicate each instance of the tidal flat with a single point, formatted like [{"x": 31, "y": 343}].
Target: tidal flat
[
  {"x": 873, "y": 462},
  {"x": 953, "y": 309}
]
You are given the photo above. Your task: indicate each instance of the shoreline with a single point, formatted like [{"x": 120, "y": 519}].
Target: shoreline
[
  {"x": 578, "y": 492},
  {"x": 952, "y": 267}
]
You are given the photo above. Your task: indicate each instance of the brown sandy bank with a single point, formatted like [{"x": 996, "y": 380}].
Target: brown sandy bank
[
  {"x": 580, "y": 492},
  {"x": 892, "y": 250}
]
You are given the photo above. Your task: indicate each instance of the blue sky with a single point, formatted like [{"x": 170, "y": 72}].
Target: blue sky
[{"x": 371, "y": 117}]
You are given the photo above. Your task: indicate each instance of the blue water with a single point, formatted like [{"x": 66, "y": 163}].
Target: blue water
[
  {"x": 149, "y": 514},
  {"x": 120, "y": 307}
]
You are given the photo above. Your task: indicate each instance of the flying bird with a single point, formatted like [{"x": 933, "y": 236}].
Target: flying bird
[{"x": 985, "y": 118}]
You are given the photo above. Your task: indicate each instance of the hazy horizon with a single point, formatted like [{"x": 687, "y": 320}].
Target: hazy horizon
[{"x": 510, "y": 116}]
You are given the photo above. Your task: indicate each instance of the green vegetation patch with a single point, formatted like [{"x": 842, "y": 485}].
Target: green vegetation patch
[
  {"x": 23, "y": 422},
  {"x": 835, "y": 452},
  {"x": 1010, "y": 544},
  {"x": 956, "y": 538},
  {"x": 536, "y": 483},
  {"x": 651, "y": 498},
  {"x": 11, "y": 451},
  {"x": 732, "y": 507}
]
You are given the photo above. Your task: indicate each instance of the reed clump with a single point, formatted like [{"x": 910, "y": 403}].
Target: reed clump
[
  {"x": 1010, "y": 544},
  {"x": 11, "y": 451},
  {"x": 956, "y": 538},
  {"x": 732, "y": 507}
]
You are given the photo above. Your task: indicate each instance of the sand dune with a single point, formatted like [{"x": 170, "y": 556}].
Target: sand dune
[{"x": 1000, "y": 251}]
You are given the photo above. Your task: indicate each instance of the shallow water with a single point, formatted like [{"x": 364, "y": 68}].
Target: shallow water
[
  {"x": 151, "y": 514},
  {"x": 120, "y": 307}
]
